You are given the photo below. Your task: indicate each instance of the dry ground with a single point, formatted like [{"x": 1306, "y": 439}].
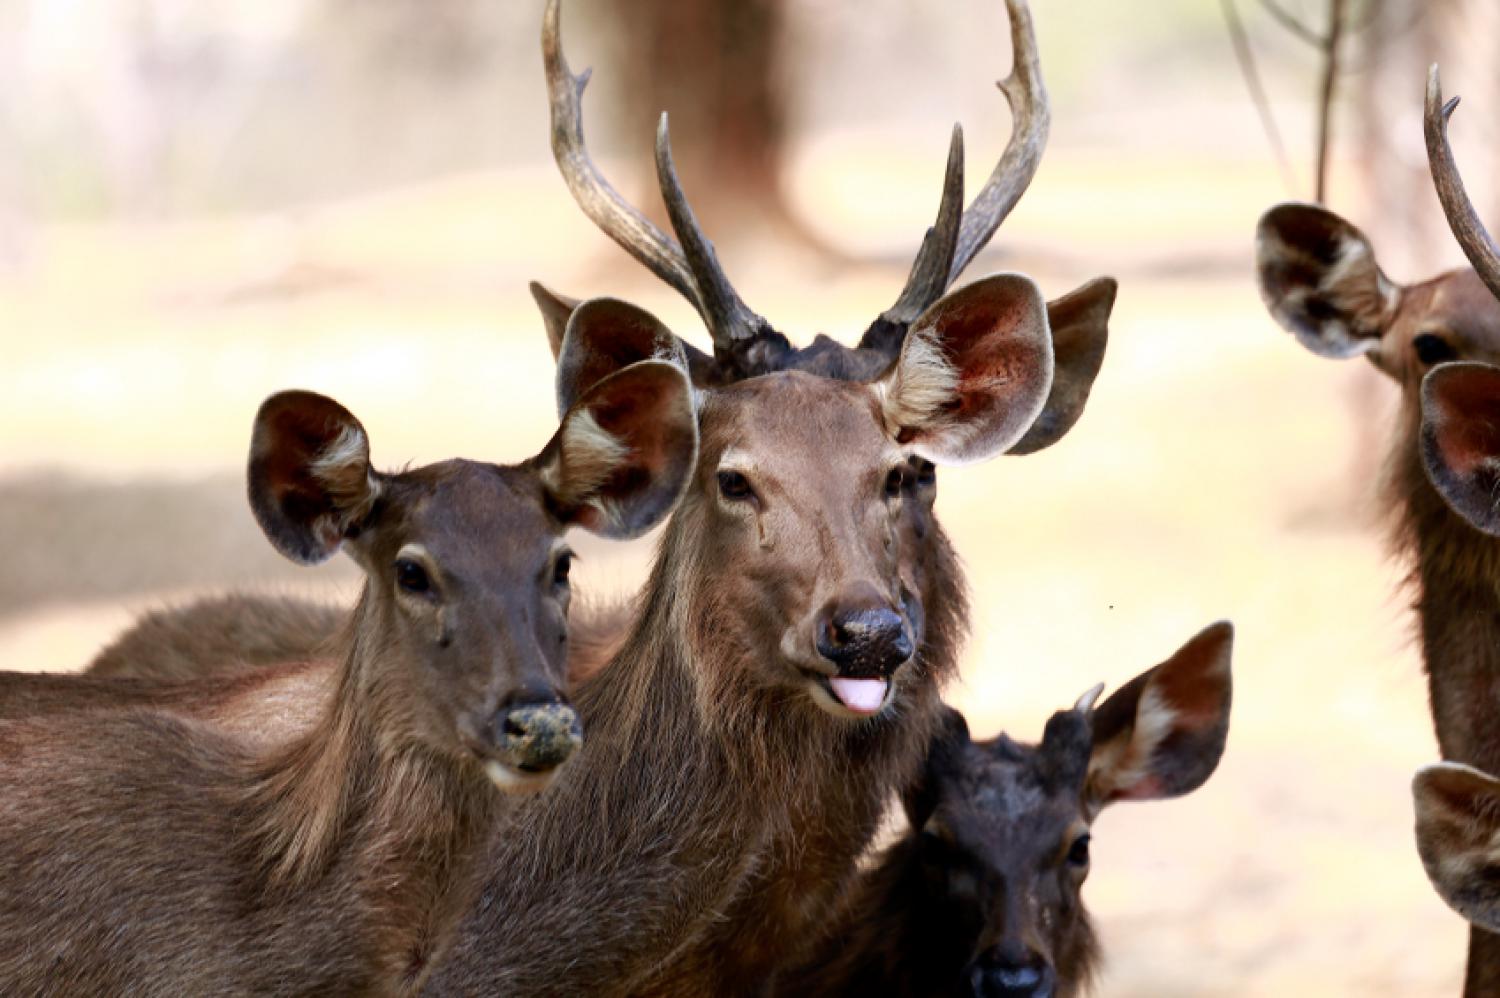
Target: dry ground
[{"x": 1214, "y": 475}]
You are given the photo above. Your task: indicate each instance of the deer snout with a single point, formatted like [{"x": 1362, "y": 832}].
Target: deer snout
[
  {"x": 864, "y": 640},
  {"x": 1000, "y": 973},
  {"x": 532, "y": 737}
]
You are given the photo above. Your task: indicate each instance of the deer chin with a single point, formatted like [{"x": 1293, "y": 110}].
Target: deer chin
[
  {"x": 512, "y": 779},
  {"x": 852, "y": 699}
]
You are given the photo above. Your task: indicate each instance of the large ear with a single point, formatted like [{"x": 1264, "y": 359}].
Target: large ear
[
  {"x": 1080, "y": 330},
  {"x": 556, "y": 310},
  {"x": 1461, "y": 439},
  {"x": 1161, "y": 734},
  {"x": 310, "y": 481},
  {"x": 1458, "y": 838},
  {"x": 973, "y": 372},
  {"x": 945, "y": 753},
  {"x": 605, "y": 335},
  {"x": 624, "y": 451},
  {"x": 1319, "y": 279}
]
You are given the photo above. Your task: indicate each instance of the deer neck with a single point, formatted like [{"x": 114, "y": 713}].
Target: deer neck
[
  {"x": 356, "y": 807},
  {"x": 1455, "y": 575}
]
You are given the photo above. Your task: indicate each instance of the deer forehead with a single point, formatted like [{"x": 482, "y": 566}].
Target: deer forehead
[
  {"x": 796, "y": 424},
  {"x": 462, "y": 511}
]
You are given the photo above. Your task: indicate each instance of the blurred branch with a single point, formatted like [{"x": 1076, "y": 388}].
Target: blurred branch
[
  {"x": 1284, "y": 17},
  {"x": 1336, "y": 24},
  {"x": 1245, "y": 56}
]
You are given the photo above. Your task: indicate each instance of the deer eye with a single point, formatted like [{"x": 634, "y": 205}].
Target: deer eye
[
  {"x": 561, "y": 569},
  {"x": 412, "y": 577},
  {"x": 893, "y": 482},
  {"x": 735, "y": 486},
  {"x": 1433, "y": 349},
  {"x": 1078, "y": 852}
]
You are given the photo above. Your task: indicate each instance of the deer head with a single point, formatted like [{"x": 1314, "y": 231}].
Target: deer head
[
  {"x": 1002, "y": 829},
  {"x": 464, "y": 616},
  {"x": 1320, "y": 280}
]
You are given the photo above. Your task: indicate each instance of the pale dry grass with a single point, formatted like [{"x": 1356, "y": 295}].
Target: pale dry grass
[{"x": 1210, "y": 478}]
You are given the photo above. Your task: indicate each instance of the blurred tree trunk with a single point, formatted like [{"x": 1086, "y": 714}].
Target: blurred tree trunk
[{"x": 713, "y": 66}]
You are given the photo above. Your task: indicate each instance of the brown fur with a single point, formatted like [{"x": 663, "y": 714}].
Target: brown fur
[
  {"x": 1455, "y": 569},
  {"x": 716, "y": 811}
]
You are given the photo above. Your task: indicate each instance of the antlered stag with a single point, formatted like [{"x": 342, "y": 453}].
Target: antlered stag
[{"x": 149, "y": 852}]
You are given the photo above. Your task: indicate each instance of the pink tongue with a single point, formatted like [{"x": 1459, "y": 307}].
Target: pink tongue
[{"x": 863, "y": 696}]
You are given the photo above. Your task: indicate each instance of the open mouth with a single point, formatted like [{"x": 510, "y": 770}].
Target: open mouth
[
  {"x": 517, "y": 779},
  {"x": 862, "y": 697}
]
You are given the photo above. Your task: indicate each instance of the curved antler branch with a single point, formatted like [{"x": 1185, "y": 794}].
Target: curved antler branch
[
  {"x": 1031, "y": 119},
  {"x": 1470, "y": 232},
  {"x": 598, "y": 199},
  {"x": 744, "y": 343},
  {"x": 929, "y": 272}
]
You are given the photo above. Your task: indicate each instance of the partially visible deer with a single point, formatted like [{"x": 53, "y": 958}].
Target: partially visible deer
[
  {"x": 150, "y": 853},
  {"x": 801, "y": 613},
  {"x": 982, "y": 898},
  {"x": 1458, "y": 838},
  {"x": 1319, "y": 278}
]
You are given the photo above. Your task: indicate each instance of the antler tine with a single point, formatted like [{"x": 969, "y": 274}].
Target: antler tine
[
  {"x": 744, "y": 343},
  {"x": 1030, "y": 121},
  {"x": 598, "y": 199},
  {"x": 1462, "y": 218},
  {"x": 929, "y": 272}
]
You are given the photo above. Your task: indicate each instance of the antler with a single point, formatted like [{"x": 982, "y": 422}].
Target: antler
[
  {"x": 742, "y": 339},
  {"x": 1462, "y": 218},
  {"x": 958, "y": 245}
]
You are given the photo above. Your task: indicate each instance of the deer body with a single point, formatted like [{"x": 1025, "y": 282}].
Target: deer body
[{"x": 156, "y": 850}]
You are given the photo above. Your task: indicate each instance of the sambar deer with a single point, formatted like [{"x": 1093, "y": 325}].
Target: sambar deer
[
  {"x": 150, "y": 853},
  {"x": 1319, "y": 277},
  {"x": 982, "y": 898},
  {"x": 799, "y": 617}
]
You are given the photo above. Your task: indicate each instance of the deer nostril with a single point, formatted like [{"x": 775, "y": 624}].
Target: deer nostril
[
  {"x": 865, "y": 640},
  {"x": 538, "y": 736}
]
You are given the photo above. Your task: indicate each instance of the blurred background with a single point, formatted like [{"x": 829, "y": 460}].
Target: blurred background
[{"x": 202, "y": 202}]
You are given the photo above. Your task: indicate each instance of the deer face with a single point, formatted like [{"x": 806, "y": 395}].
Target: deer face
[
  {"x": 1002, "y": 829},
  {"x": 463, "y": 624},
  {"x": 810, "y": 513},
  {"x": 1320, "y": 280}
]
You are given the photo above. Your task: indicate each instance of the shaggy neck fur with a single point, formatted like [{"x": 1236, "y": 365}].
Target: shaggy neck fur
[
  {"x": 357, "y": 804},
  {"x": 710, "y": 822}
]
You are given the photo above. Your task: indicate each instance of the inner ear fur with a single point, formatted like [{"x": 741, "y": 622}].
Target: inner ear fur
[
  {"x": 973, "y": 373},
  {"x": 309, "y": 476},
  {"x": 1457, "y": 827},
  {"x": 1162, "y": 734},
  {"x": 1319, "y": 279},
  {"x": 1460, "y": 439},
  {"x": 606, "y": 335},
  {"x": 624, "y": 452},
  {"x": 1079, "y": 322}
]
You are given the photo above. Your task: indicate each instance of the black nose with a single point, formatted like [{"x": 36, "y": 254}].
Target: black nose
[
  {"x": 539, "y": 735},
  {"x": 1028, "y": 978},
  {"x": 864, "y": 640}
]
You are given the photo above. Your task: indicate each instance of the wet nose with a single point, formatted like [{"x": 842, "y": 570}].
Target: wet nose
[
  {"x": 864, "y": 639},
  {"x": 1028, "y": 977},
  {"x": 537, "y": 735}
]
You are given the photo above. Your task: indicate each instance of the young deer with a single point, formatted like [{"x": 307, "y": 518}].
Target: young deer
[
  {"x": 1319, "y": 278},
  {"x": 150, "y": 853},
  {"x": 983, "y": 896}
]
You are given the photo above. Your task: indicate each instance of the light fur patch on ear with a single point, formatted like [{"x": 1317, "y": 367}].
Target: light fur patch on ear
[
  {"x": 922, "y": 387},
  {"x": 343, "y": 469},
  {"x": 588, "y": 456},
  {"x": 1124, "y": 764}
]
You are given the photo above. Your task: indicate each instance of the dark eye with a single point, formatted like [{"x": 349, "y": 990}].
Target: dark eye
[
  {"x": 1078, "y": 853},
  {"x": 733, "y": 485},
  {"x": 893, "y": 482},
  {"x": 1432, "y": 349},
  {"x": 561, "y": 569},
  {"x": 412, "y": 577}
]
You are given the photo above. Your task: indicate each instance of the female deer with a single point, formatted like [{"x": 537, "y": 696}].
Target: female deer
[{"x": 150, "y": 853}]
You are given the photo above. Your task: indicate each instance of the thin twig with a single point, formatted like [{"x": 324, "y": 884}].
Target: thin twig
[
  {"x": 1285, "y": 18},
  {"x": 1325, "y": 105},
  {"x": 1245, "y": 56}
]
